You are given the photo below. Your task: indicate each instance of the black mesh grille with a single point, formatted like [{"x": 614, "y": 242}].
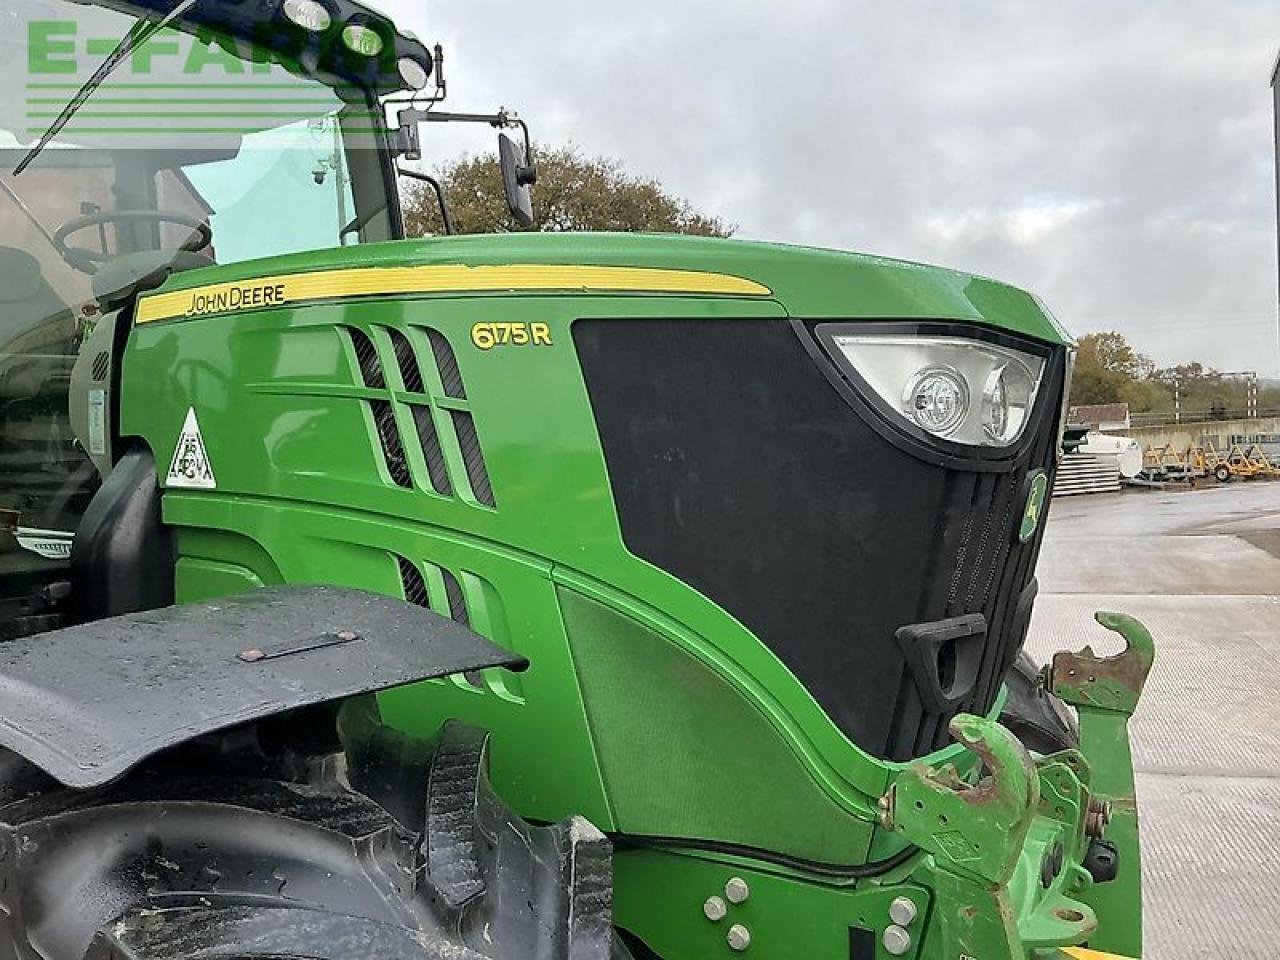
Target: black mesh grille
[
  {"x": 389, "y": 437},
  {"x": 430, "y": 441},
  {"x": 736, "y": 466},
  {"x": 472, "y": 456},
  {"x": 101, "y": 364},
  {"x": 447, "y": 364},
  {"x": 367, "y": 358},
  {"x": 410, "y": 374},
  {"x": 415, "y": 588}
]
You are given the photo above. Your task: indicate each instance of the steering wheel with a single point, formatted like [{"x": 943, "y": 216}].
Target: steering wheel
[{"x": 88, "y": 261}]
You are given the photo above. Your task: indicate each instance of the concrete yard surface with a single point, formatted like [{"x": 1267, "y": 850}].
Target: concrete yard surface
[{"x": 1201, "y": 569}]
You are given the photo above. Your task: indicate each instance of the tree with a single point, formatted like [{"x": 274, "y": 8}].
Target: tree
[
  {"x": 1107, "y": 370},
  {"x": 574, "y": 192}
]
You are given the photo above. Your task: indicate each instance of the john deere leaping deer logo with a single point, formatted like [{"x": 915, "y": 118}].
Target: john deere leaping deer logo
[{"x": 1037, "y": 492}]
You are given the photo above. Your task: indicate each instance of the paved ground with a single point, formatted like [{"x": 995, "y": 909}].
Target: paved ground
[{"x": 1202, "y": 570}]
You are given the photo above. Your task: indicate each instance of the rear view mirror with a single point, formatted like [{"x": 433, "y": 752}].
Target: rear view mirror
[{"x": 518, "y": 175}]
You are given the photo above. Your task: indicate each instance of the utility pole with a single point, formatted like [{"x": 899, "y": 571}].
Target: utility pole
[{"x": 1275, "y": 115}]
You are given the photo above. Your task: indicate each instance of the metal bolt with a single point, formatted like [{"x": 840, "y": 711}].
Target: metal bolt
[
  {"x": 896, "y": 941},
  {"x": 714, "y": 909},
  {"x": 902, "y": 911},
  {"x": 736, "y": 890},
  {"x": 885, "y": 805},
  {"x": 738, "y": 937}
]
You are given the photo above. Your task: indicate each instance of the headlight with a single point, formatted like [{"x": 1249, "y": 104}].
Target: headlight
[
  {"x": 968, "y": 391},
  {"x": 363, "y": 40},
  {"x": 310, "y": 15}
]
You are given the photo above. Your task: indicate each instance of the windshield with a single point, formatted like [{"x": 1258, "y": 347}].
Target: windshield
[
  {"x": 191, "y": 125},
  {"x": 196, "y": 150}
]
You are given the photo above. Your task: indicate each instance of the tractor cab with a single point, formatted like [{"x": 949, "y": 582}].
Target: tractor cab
[{"x": 207, "y": 138}]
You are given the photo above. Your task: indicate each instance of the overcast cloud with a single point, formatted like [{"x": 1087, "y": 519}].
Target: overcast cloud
[{"x": 1114, "y": 157}]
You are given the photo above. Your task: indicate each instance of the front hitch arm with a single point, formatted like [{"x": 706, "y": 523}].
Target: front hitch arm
[{"x": 975, "y": 832}]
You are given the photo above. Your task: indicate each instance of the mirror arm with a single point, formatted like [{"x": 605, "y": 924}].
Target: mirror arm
[{"x": 445, "y": 214}]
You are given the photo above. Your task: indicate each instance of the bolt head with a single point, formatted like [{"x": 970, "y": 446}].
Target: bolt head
[
  {"x": 896, "y": 940},
  {"x": 736, "y": 890},
  {"x": 738, "y": 937},
  {"x": 714, "y": 909},
  {"x": 902, "y": 911}
]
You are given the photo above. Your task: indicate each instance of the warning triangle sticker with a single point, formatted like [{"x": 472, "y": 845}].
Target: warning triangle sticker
[{"x": 190, "y": 466}]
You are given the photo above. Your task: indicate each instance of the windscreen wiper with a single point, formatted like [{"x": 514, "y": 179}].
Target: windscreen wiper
[
  {"x": 138, "y": 34},
  {"x": 35, "y": 221}
]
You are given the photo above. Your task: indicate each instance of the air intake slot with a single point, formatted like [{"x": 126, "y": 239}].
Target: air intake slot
[
  {"x": 473, "y": 457},
  {"x": 367, "y": 358},
  {"x": 458, "y": 612},
  {"x": 410, "y": 374},
  {"x": 457, "y": 602},
  {"x": 415, "y": 588},
  {"x": 431, "y": 451},
  {"x": 384, "y": 419},
  {"x": 447, "y": 364}
]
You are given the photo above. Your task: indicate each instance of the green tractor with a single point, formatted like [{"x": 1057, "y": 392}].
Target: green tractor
[{"x": 580, "y": 596}]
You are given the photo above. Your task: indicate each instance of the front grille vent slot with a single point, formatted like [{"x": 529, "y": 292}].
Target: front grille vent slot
[
  {"x": 410, "y": 374},
  {"x": 367, "y": 358},
  {"x": 101, "y": 366},
  {"x": 473, "y": 457},
  {"x": 437, "y": 471},
  {"x": 415, "y": 588},
  {"x": 384, "y": 419},
  {"x": 457, "y": 602},
  {"x": 447, "y": 364}
]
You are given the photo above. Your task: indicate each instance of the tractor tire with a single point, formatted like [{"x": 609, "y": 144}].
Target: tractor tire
[
  {"x": 1040, "y": 720},
  {"x": 397, "y": 850},
  {"x": 1222, "y": 473}
]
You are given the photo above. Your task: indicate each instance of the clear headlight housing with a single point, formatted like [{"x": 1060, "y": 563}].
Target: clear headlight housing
[{"x": 967, "y": 391}]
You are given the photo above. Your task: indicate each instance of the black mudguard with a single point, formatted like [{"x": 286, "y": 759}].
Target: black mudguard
[{"x": 89, "y": 703}]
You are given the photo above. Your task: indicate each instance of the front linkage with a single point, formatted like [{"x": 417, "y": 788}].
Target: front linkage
[{"x": 1041, "y": 854}]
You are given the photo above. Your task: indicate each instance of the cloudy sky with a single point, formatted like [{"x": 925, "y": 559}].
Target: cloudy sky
[{"x": 1114, "y": 156}]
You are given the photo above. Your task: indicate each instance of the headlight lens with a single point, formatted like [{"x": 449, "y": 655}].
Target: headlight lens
[
  {"x": 362, "y": 40},
  {"x": 937, "y": 398},
  {"x": 968, "y": 391},
  {"x": 412, "y": 73},
  {"x": 310, "y": 15}
]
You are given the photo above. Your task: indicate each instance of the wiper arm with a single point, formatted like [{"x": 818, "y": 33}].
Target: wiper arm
[
  {"x": 35, "y": 221},
  {"x": 138, "y": 34}
]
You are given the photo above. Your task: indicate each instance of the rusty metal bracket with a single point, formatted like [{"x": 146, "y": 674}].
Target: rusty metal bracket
[
  {"x": 1115, "y": 683},
  {"x": 976, "y": 830}
]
